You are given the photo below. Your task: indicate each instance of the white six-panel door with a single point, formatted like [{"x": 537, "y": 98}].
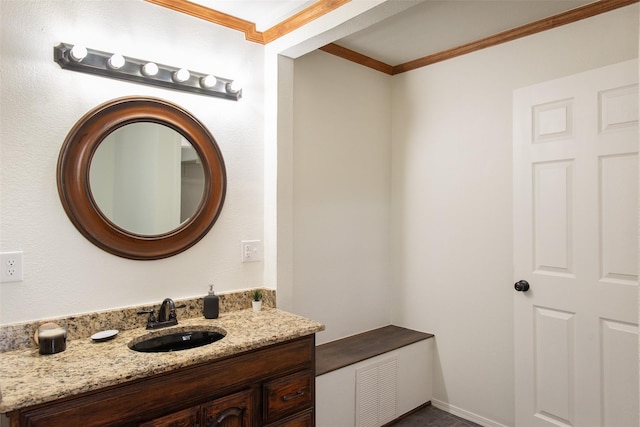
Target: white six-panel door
[{"x": 575, "y": 243}]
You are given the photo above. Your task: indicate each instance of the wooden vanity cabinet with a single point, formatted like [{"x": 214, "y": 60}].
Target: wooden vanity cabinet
[{"x": 272, "y": 386}]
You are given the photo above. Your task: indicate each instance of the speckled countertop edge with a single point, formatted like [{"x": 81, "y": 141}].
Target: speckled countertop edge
[{"x": 28, "y": 378}]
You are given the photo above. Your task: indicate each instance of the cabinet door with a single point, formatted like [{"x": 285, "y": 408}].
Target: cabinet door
[
  {"x": 234, "y": 410},
  {"x": 185, "y": 418}
]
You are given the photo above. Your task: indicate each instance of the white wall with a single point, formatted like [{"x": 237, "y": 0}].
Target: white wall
[
  {"x": 64, "y": 273},
  {"x": 341, "y": 195},
  {"x": 452, "y": 199},
  {"x": 279, "y": 124}
]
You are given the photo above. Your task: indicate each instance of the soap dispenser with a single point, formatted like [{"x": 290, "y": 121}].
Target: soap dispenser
[{"x": 211, "y": 305}]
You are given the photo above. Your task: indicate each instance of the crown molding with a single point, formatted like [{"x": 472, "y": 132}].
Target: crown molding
[
  {"x": 308, "y": 14},
  {"x": 322, "y": 7},
  {"x": 358, "y": 58},
  {"x": 305, "y": 16}
]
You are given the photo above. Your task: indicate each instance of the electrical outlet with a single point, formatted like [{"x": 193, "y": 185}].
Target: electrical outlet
[
  {"x": 251, "y": 250},
  {"x": 11, "y": 267}
]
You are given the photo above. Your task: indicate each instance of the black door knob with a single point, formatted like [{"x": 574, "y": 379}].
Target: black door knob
[{"x": 521, "y": 286}]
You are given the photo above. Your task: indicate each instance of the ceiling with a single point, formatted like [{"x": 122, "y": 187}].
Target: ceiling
[
  {"x": 429, "y": 27},
  {"x": 435, "y": 26}
]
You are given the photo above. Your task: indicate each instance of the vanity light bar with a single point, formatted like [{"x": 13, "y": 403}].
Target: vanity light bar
[{"x": 116, "y": 66}]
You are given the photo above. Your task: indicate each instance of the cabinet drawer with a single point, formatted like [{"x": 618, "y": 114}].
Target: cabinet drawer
[
  {"x": 287, "y": 395},
  {"x": 303, "y": 419}
]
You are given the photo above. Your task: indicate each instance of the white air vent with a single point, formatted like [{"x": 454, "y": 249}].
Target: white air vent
[{"x": 376, "y": 393}]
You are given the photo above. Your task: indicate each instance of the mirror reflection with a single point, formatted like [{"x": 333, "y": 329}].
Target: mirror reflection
[{"x": 147, "y": 178}]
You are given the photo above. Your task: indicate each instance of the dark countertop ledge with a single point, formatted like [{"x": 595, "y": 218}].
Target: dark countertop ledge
[{"x": 337, "y": 354}]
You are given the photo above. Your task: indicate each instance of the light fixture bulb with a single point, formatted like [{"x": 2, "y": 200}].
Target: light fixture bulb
[
  {"x": 150, "y": 69},
  {"x": 182, "y": 75},
  {"x": 234, "y": 87},
  {"x": 208, "y": 82},
  {"x": 116, "y": 61},
  {"x": 78, "y": 53}
]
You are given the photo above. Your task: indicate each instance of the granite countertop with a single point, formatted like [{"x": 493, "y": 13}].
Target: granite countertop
[{"x": 28, "y": 378}]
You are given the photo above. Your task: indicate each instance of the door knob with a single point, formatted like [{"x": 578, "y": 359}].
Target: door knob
[{"x": 521, "y": 286}]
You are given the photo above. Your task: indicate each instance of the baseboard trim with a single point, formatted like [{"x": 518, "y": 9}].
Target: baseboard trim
[
  {"x": 454, "y": 410},
  {"x": 405, "y": 415}
]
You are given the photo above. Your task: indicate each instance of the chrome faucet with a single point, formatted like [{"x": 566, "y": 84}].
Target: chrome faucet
[{"x": 166, "y": 315}]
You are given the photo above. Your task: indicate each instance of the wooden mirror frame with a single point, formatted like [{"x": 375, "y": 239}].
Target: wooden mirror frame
[{"x": 75, "y": 191}]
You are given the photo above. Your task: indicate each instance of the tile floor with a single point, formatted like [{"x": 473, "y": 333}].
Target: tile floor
[{"x": 433, "y": 417}]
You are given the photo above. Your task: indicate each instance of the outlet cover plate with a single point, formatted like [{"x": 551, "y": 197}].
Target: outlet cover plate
[
  {"x": 251, "y": 250},
  {"x": 10, "y": 267}
]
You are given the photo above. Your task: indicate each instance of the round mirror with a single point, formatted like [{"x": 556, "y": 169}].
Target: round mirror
[
  {"x": 141, "y": 178},
  {"x": 146, "y": 178}
]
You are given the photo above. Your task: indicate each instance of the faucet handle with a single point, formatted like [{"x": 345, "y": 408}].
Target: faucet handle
[
  {"x": 152, "y": 316},
  {"x": 172, "y": 313}
]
